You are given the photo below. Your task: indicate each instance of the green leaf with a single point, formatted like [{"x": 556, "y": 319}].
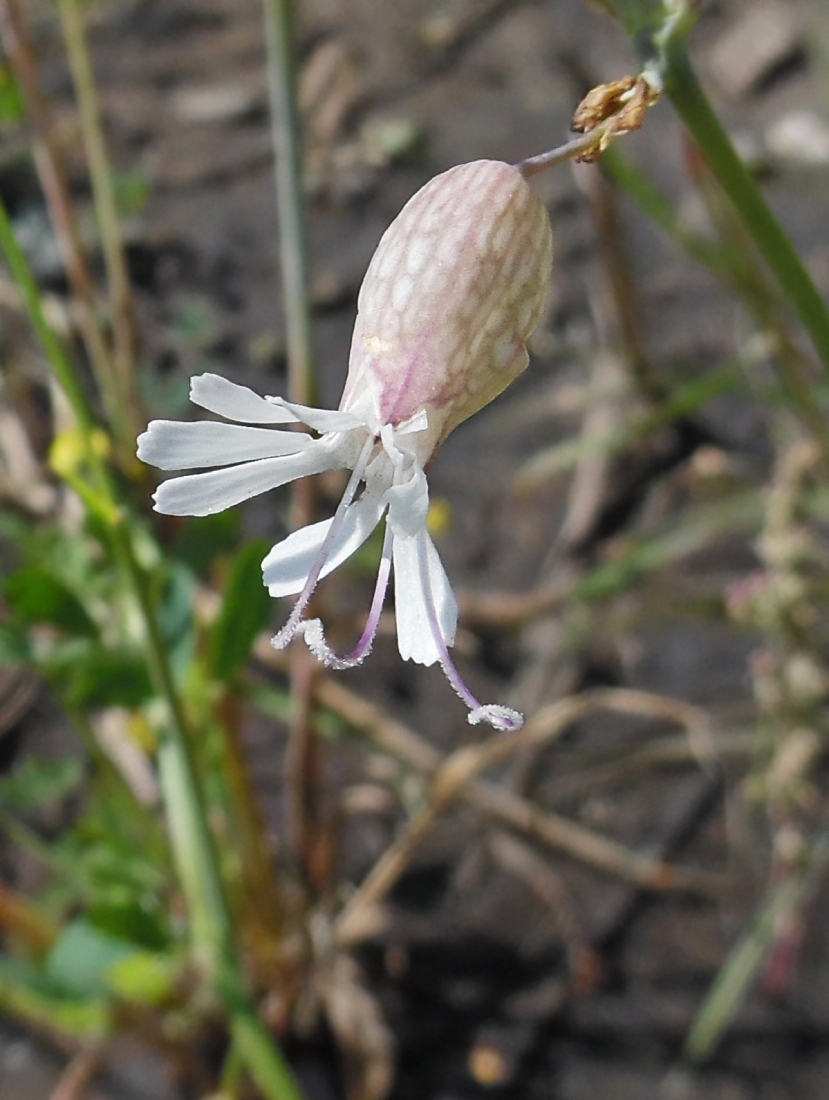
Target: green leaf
[
  {"x": 27, "y": 992},
  {"x": 14, "y": 645},
  {"x": 143, "y": 978},
  {"x": 80, "y": 961},
  {"x": 109, "y": 678},
  {"x": 129, "y": 919},
  {"x": 246, "y": 609},
  {"x": 175, "y": 617},
  {"x": 36, "y": 783},
  {"x": 36, "y": 595},
  {"x": 12, "y": 108},
  {"x": 86, "y": 962},
  {"x": 132, "y": 193}
]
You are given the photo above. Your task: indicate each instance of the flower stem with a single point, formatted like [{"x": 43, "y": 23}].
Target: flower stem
[
  {"x": 685, "y": 92},
  {"x": 576, "y": 147},
  {"x": 293, "y": 252},
  {"x": 213, "y": 937},
  {"x": 301, "y": 759}
]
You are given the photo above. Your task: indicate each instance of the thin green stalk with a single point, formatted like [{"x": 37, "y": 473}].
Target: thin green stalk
[
  {"x": 189, "y": 829},
  {"x": 287, "y": 143},
  {"x": 192, "y": 842},
  {"x": 100, "y": 173},
  {"x": 58, "y": 359},
  {"x": 685, "y": 401},
  {"x": 729, "y": 990},
  {"x": 735, "y": 261},
  {"x": 89, "y": 1020},
  {"x": 797, "y": 371},
  {"x": 635, "y": 182},
  {"x": 261, "y": 1056},
  {"x": 302, "y": 756},
  {"x": 741, "y": 968},
  {"x": 691, "y": 103},
  {"x": 53, "y": 180}
]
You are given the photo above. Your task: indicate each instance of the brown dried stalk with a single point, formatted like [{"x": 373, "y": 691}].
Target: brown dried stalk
[{"x": 455, "y": 778}]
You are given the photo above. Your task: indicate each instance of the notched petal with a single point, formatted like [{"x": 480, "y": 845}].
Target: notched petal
[
  {"x": 209, "y": 493},
  {"x": 219, "y": 395},
  {"x": 177, "y": 445}
]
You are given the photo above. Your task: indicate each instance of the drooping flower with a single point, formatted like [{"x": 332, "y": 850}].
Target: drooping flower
[{"x": 450, "y": 298}]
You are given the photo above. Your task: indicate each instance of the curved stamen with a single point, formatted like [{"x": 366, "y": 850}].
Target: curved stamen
[
  {"x": 499, "y": 717},
  {"x": 284, "y": 636},
  {"x": 312, "y": 629}
]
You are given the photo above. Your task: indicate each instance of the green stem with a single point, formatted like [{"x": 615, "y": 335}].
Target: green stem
[
  {"x": 287, "y": 142},
  {"x": 193, "y": 848},
  {"x": 55, "y": 353},
  {"x": 264, "y": 1060},
  {"x": 735, "y": 261},
  {"x": 746, "y": 959},
  {"x": 56, "y": 190},
  {"x": 691, "y": 103},
  {"x": 301, "y": 758},
  {"x": 105, "y": 208}
]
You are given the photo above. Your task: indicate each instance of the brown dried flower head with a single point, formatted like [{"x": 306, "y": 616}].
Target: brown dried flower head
[{"x": 618, "y": 107}]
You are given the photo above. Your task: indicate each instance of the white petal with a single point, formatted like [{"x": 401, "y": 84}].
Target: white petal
[
  {"x": 226, "y": 398},
  {"x": 321, "y": 420},
  {"x": 415, "y": 636},
  {"x": 206, "y": 494},
  {"x": 288, "y": 564},
  {"x": 176, "y": 445},
  {"x": 409, "y": 504}
]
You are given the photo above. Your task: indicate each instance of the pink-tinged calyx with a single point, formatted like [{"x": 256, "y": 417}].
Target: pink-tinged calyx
[{"x": 456, "y": 287}]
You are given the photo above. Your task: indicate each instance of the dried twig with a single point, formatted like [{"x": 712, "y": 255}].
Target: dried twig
[
  {"x": 507, "y": 610},
  {"x": 79, "y": 1075},
  {"x": 518, "y": 858},
  {"x": 455, "y": 778}
]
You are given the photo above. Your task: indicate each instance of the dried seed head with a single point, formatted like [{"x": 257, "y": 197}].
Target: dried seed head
[
  {"x": 456, "y": 287},
  {"x": 621, "y": 106},
  {"x": 600, "y": 103}
]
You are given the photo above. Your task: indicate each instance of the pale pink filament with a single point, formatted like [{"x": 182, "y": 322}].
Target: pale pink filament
[
  {"x": 315, "y": 637},
  {"x": 503, "y": 718}
]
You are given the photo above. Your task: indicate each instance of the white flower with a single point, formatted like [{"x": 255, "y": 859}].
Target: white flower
[{"x": 456, "y": 286}]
